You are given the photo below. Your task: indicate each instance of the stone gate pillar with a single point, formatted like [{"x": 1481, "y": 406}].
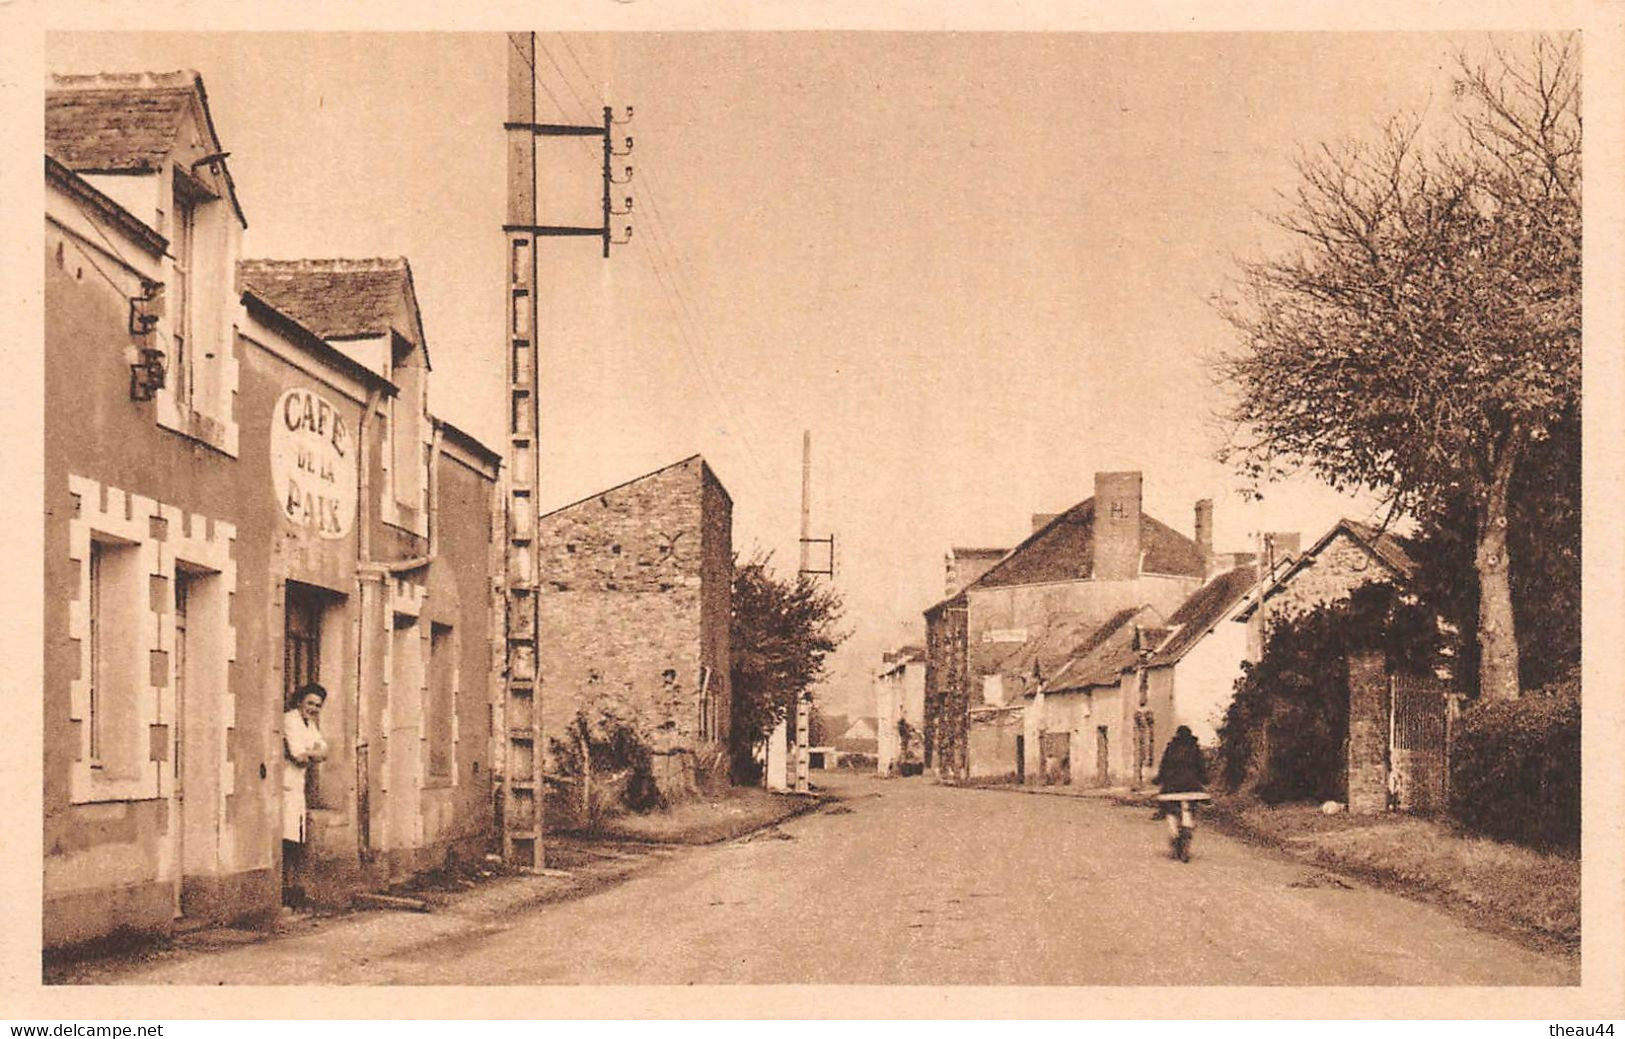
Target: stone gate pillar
[{"x": 1368, "y": 733}]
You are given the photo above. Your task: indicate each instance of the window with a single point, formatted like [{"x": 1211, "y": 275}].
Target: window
[
  {"x": 183, "y": 234},
  {"x": 117, "y": 744},
  {"x": 94, "y": 635},
  {"x": 302, "y": 642},
  {"x": 440, "y": 725},
  {"x": 195, "y": 330}
]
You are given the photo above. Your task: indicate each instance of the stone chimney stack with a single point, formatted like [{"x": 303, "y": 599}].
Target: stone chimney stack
[
  {"x": 1204, "y": 535},
  {"x": 1117, "y": 526},
  {"x": 1042, "y": 519},
  {"x": 1278, "y": 545}
]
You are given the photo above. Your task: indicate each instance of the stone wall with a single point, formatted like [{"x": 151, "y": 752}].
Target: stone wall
[
  {"x": 636, "y": 586},
  {"x": 946, "y": 703},
  {"x": 1332, "y": 574},
  {"x": 1368, "y": 733}
]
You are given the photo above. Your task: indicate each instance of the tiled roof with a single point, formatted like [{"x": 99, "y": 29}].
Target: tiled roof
[
  {"x": 1063, "y": 550},
  {"x": 336, "y": 299},
  {"x": 1388, "y": 547},
  {"x": 1105, "y": 655},
  {"x": 121, "y": 122},
  {"x": 129, "y": 123},
  {"x": 1197, "y": 615},
  {"x": 1065, "y": 636}
]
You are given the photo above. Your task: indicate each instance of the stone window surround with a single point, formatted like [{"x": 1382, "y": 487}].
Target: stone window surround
[
  {"x": 194, "y": 539},
  {"x": 211, "y": 421}
]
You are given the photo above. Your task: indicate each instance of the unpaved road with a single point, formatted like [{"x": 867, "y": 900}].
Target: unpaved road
[{"x": 906, "y": 882}]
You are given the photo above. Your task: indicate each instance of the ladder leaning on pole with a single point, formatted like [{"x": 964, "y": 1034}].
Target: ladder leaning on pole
[
  {"x": 522, "y": 788},
  {"x": 521, "y": 719}
]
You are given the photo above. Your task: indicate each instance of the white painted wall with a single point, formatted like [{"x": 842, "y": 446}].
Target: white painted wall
[{"x": 1205, "y": 680}]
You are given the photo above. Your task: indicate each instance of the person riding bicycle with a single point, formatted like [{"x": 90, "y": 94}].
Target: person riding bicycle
[{"x": 1182, "y": 771}]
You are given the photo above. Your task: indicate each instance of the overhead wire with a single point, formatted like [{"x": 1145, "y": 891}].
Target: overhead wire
[{"x": 668, "y": 268}]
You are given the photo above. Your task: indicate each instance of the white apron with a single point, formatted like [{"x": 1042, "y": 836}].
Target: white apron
[{"x": 301, "y": 738}]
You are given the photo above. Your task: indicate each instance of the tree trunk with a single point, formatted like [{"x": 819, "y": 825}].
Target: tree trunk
[{"x": 1497, "y": 633}]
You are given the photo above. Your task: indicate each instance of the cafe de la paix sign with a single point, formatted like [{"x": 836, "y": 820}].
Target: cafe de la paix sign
[{"x": 313, "y": 464}]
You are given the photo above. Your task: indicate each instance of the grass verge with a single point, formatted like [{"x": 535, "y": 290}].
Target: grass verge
[
  {"x": 706, "y": 820},
  {"x": 1501, "y": 887}
]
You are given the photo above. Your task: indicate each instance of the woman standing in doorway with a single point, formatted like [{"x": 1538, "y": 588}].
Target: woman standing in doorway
[{"x": 302, "y": 738}]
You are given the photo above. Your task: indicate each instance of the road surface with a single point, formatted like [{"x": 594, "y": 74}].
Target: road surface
[{"x": 906, "y": 882}]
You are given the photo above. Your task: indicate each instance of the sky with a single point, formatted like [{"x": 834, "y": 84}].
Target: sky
[{"x": 977, "y": 267}]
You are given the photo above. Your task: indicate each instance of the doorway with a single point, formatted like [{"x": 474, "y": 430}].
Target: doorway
[{"x": 1103, "y": 772}]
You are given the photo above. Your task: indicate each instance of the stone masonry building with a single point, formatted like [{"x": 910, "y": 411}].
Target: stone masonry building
[{"x": 634, "y": 621}]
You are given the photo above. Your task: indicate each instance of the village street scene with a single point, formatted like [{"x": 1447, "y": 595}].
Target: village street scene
[{"x": 556, "y": 508}]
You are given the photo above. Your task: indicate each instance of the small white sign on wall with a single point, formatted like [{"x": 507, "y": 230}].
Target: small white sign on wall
[
  {"x": 313, "y": 464},
  {"x": 1005, "y": 635}
]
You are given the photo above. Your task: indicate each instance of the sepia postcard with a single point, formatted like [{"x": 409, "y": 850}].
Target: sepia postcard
[{"x": 819, "y": 511}]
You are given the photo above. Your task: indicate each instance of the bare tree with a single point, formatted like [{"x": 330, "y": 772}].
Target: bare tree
[{"x": 1426, "y": 329}]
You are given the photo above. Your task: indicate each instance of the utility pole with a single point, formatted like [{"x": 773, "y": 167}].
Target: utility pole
[
  {"x": 522, "y": 786},
  {"x": 804, "y": 702},
  {"x": 806, "y": 496}
]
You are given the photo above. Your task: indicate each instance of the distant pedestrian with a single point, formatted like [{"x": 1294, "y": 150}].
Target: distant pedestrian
[{"x": 302, "y": 738}]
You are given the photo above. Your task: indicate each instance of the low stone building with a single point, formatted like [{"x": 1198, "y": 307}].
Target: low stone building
[
  {"x": 1074, "y": 572},
  {"x": 637, "y": 588},
  {"x": 1348, "y": 556}
]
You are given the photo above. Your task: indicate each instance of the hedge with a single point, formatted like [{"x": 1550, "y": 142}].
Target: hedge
[{"x": 1515, "y": 767}]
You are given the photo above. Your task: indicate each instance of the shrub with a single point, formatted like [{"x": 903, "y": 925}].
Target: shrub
[
  {"x": 620, "y": 756},
  {"x": 1515, "y": 767},
  {"x": 1285, "y": 732}
]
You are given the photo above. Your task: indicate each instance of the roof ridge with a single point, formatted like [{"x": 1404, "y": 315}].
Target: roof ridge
[
  {"x": 625, "y": 483},
  {"x": 174, "y": 79},
  {"x": 334, "y": 264}
]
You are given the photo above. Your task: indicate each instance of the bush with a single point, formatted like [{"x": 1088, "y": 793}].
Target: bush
[
  {"x": 621, "y": 760},
  {"x": 1515, "y": 767},
  {"x": 1284, "y": 734}
]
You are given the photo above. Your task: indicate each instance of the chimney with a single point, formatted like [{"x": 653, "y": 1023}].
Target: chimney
[
  {"x": 950, "y": 574},
  {"x": 1117, "y": 526},
  {"x": 1204, "y": 535},
  {"x": 1278, "y": 545},
  {"x": 1042, "y": 520}
]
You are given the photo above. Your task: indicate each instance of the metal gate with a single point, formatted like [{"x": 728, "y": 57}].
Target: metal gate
[{"x": 1419, "y": 742}]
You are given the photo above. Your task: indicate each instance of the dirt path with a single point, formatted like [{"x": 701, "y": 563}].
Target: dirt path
[{"x": 907, "y": 882}]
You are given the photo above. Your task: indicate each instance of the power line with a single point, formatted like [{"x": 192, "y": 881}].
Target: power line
[
  {"x": 567, "y": 84},
  {"x": 667, "y": 266},
  {"x": 572, "y": 52}
]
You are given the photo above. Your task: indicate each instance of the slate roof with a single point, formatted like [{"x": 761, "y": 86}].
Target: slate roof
[
  {"x": 122, "y": 123},
  {"x": 1063, "y": 550},
  {"x": 1388, "y": 547},
  {"x": 126, "y": 122},
  {"x": 336, "y": 299},
  {"x": 1197, "y": 615},
  {"x": 1107, "y": 653}
]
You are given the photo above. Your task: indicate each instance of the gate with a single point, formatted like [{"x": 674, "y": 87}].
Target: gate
[{"x": 1419, "y": 738}]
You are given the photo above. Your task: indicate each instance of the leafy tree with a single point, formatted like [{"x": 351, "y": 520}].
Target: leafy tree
[
  {"x": 1424, "y": 336},
  {"x": 782, "y": 632}
]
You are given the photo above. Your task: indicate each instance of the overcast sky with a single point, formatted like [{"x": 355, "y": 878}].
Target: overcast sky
[{"x": 977, "y": 266}]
